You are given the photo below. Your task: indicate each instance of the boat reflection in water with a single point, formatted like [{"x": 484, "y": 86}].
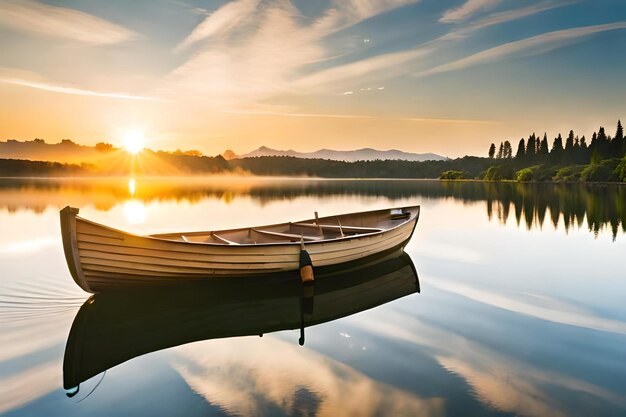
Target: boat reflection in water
[{"x": 111, "y": 328}]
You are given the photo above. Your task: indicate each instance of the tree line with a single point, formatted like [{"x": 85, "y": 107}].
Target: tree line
[
  {"x": 603, "y": 158},
  {"x": 575, "y": 149}
]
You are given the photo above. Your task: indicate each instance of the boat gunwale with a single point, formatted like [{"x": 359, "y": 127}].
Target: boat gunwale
[{"x": 247, "y": 245}]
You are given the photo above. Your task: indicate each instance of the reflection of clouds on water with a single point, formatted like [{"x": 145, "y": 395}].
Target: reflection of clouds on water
[
  {"x": 38, "y": 302},
  {"x": 498, "y": 380},
  {"x": 251, "y": 376},
  {"x": 28, "y": 385},
  {"x": 498, "y": 388},
  {"x": 33, "y": 327},
  {"x": 449, "y": 252},
  {"x": 27, "y": 245},
  {"x": 29, "y": 336},
  {"x": 541, "y": 307}
]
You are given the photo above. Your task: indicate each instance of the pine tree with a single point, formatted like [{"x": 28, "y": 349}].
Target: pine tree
[
  {"x": 521, "y": 149},
  {"x": 603, "y": 147},
  {"x": 531, "y": 146},
  {"x": 569, "y": 142},
  {"x": 543, "y": 148},
  {"x": 583, "y": 154},
  {"x": 556, "y": 153},
  {"x": 558, "y": 144},
  {"x": 492, "y": 150},
  {"x": 577, "y": 153},
  {"x": 568, "y": 155},
  {"x": 508, "y": 151},
  {"x": 618, "y": 147},
  {"x": 500, "y": 151},
  {"x": 594, "y": 140},
  {"x": 537, "y": 145}
]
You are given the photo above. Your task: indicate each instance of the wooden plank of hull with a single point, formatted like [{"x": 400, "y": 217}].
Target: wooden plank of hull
[
  {"x": 107, "y": 281},
  {"x": 100, "y": 251}
]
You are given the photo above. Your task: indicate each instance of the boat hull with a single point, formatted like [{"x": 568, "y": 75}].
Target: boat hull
[{"x": 102, "y": 259}]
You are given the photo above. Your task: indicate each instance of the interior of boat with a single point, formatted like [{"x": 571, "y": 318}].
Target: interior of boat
[{"x": 311, "y": 230}]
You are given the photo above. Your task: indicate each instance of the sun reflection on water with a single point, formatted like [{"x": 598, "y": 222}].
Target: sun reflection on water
[
  {"x": 131, "y": 186},
  {"x": 134, "y": 211}
]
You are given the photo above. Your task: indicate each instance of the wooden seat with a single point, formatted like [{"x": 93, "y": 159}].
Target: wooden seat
[
  {"x": 348, "y": 229},
  {"x": 224, "y": 240},
  {"x": 286, "y": 235}
]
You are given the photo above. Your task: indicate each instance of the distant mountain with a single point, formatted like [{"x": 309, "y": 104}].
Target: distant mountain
[{"x": 365, "y": 154}]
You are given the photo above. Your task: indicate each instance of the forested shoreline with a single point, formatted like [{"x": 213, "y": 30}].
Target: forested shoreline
[{"x": 572, "y": 159}]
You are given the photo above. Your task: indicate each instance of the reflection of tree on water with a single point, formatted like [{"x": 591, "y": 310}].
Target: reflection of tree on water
[{"x": 597, "y": 206}]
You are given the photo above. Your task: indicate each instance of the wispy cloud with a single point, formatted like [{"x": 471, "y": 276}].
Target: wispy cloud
[
  {"x": 505, "y": 16},
  {"x": 250, "y": 52},
  {"x": 467, "y": 10},
  {"x": 395, "y": 63},
  {"x": 258, "y": 51},
  {"x": 448, "y": 121},
  {"x": 290, "y": 114},
  {"x": 221, "y": 21},
  {"x": 61, "y": 22},
  {"x": 526, "y": 47},
  {"x": 362, "y": 68},
  {"x": 70, "y": 90},
  {"x": 193, "y": 9},
  {"x": 250, "y": 67},
  {"x": 240, "y": 12},
  {"x": 357, "y": 116},
  {"x": 508, "y": 15},
  {"x": 358, "y": 10}
]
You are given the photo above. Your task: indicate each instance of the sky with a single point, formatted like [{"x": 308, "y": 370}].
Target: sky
[{"x": 443, "y": 76}]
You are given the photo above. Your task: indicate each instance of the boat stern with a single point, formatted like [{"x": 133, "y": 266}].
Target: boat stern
[
  {"x": 70, "y": 246},
  {"x": 414, "y": 217}
]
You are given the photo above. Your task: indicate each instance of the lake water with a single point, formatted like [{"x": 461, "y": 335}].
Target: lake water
[{"x": 521, "y": 309}]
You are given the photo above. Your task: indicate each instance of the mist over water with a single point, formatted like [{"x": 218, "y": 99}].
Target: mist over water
[{"x": 520, "y": 312}]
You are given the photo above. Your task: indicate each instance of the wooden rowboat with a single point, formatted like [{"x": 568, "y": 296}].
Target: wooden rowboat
[
  {"x": 101, "y": 258},
  {"x": 112, "y": 328}
]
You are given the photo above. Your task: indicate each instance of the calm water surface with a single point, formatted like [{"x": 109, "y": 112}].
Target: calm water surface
[{"x": 522, "y": 309}]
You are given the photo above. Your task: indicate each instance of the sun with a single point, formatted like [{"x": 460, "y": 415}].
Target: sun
[{"x": 133, "y": 141}]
